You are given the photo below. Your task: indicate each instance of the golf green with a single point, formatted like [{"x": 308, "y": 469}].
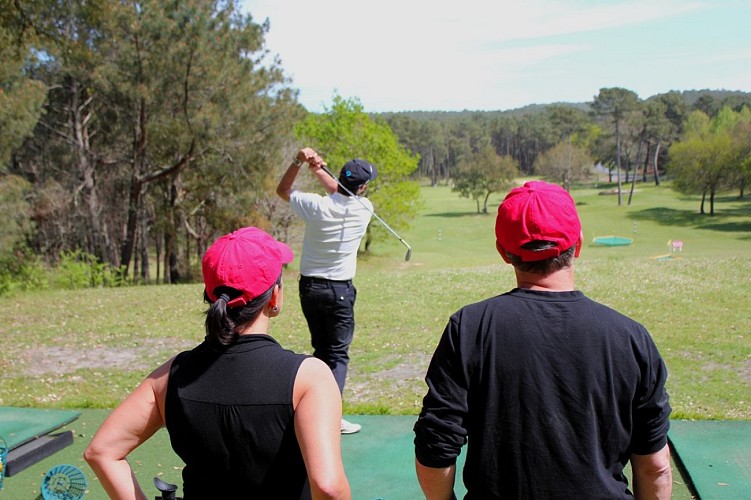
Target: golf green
[{"x": 380, "y": 460}]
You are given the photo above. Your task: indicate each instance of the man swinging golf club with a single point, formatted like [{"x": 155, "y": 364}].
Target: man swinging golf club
[{"x": 334, "y": 227}]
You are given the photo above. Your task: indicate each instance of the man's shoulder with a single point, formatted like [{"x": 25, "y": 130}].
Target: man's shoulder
[
  {"x": 478, "y": 308},
  {"x": 304, "y": 195},
  {"x": 606, "y": 311},
  {"x": 303, "y": 202},
  {"x": 351, "y": 200},
  {"x": 510, "y": 302}
]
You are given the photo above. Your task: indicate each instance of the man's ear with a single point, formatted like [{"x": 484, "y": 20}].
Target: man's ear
[
  {"x": 274, "y": 300},
  {"x": 579, "y": 245},
  {"x": 502, "y": 252}
]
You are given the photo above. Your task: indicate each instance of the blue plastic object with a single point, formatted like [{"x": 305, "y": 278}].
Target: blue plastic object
[
  {"x": 3, "y": 460},
  {"x": 64, "y": 482},
  {"x": 612, "y": 241}
]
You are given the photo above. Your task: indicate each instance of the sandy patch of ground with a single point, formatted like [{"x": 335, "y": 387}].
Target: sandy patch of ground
[{"x": 60, "y": 360}]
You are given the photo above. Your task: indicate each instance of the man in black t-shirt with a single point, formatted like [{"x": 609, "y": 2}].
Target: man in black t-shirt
[{"x": 552, "y": 392}]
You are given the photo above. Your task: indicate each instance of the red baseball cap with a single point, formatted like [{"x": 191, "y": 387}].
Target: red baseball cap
[
  {"x": 537, "y": 211},
  {"x": 248, "y": 260}
]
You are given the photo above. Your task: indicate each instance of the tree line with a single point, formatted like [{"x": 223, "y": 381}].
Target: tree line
[
  {"x": 629, "y": 137},
  {"x": 137, "y": 128},
  {"x": 134, "y": 133}
]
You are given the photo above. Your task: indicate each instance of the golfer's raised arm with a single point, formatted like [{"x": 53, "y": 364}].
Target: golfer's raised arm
[
  {"x": 284, "y": 189},
  {"x": 328, "y": 182}
]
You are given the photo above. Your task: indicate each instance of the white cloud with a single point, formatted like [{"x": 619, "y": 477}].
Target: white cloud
[{"x": 402, "y": 54}]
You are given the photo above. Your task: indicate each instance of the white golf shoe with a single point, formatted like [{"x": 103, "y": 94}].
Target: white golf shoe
[{"x": 349, "y": 427}]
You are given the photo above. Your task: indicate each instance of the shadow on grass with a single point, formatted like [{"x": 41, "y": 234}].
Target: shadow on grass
[
  {"x": 730, "y": 227},
  {"x": 669, "y": 216},
  {"x": 689, "y": 218}
]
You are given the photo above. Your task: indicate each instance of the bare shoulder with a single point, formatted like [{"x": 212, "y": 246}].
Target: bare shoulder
[
  {"x": 159, "y": 378},
  {"x": 163, "y": 370},
  {"x": 314, "y": 378},
  {"x": 313, "y": 367}
]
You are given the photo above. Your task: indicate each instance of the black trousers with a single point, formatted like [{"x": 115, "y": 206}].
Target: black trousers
[{"x": 329, "y": 309}]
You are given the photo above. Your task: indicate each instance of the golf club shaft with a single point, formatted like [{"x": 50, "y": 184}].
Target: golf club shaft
[{"x": 409, "y": 248}]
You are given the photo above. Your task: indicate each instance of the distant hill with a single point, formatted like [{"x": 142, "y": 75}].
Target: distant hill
[{"x": 689, "y": 96}]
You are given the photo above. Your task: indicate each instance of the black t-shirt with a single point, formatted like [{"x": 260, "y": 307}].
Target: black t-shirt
[
  {"x": 230, "y": 418},
  {"x": 551, "y": 391}
]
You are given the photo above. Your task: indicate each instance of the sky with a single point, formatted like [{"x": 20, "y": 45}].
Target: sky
[{"x": 455, "y": 55}]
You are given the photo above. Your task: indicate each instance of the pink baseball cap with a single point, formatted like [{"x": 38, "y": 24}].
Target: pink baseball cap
[
  {"x": 248, "y": 260},
  {"x": 537, "y": 211}
]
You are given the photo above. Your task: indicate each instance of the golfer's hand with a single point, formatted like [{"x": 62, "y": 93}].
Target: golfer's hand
[
  {"x": 315, "y": 167},
  {"x": 315, "y": 163},
  {"x": 307, "y": 155}
]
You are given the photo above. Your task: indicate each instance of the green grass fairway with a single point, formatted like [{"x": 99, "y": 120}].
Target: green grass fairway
[
  {"x": 379, "y": 462},
  {"x": 89, "y": 348}
]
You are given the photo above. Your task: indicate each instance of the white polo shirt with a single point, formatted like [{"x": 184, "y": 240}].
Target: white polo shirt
[{"x": 334, "y": 227}]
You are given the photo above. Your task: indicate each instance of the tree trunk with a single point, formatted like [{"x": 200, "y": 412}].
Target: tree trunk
[
  {"x": 136, "y": 187},
  {"x": 657, "y": 170},
  {"x": 140, "y": 179},
  {"x": 158, "y": 257},
  {"x": 566, "y": 183},
  {"x": 78, "y": 120},
  {"x": 368, "y": 238},
  {"x": 633, "y": 177},
  {"x": 171, "y": 273},
  {"x": 144, "y": 245},
  {"x": 618, "y": 160},
  {"x": 184, "y": 256},
  {"x": 433, "y": 169},
  {"x": 137, "y": 255}
]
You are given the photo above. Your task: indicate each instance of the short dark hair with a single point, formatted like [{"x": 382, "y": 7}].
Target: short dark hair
[
  {"x": 341, "y": 190},
  {"x": 545, "y": 266}
]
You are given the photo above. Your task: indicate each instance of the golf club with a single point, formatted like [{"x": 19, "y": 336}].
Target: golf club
[{"x": 409, "y": 248}]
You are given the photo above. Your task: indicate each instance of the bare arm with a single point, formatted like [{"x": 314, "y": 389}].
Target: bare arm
[
  {"x": 653, "y": 477},
  {"x": 134, "y": 421},
  {"x": 309, "y": 156},
  {"x": 328, "y": 182},
  {"x": 436, "y": 484},
  {"x": 318, "y": 413}
]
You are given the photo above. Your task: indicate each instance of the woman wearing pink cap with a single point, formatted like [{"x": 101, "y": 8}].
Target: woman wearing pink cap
[{"x": 249, "y": 418}]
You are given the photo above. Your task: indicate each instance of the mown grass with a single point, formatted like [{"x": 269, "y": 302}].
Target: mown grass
[{"x": 87, "y": 349}]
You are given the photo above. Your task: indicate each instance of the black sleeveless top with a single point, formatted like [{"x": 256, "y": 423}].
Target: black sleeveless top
[{"x": 229, "y": 416}]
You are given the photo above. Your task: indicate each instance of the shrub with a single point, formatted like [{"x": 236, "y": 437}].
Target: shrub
[
  {"x": 21, "y": 270},
  {"x": 78, "y": 269}
]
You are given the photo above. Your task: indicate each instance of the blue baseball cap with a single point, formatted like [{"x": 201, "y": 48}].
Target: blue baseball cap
[{"x": 356, "y": 173}]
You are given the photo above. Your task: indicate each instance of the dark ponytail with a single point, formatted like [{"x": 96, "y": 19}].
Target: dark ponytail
[{"x": 224, "y": 324}]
